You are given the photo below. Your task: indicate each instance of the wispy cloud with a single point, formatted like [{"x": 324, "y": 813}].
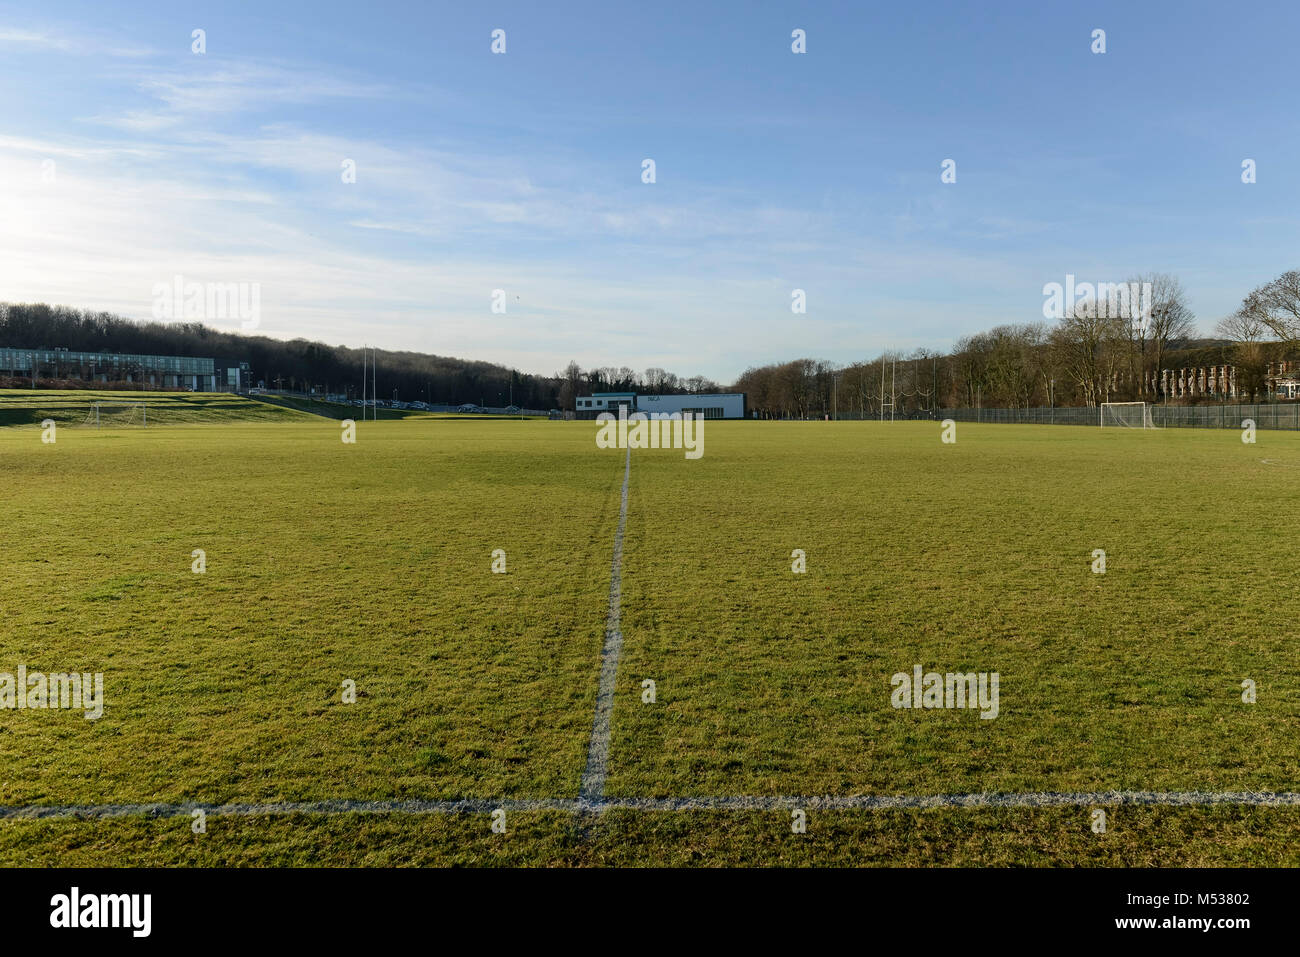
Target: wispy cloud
[
  {"x": 129, "y": 163},
  {"x": 233, "y": 86},
  {"x": 79, "y": 44},
  {"x": 28, "y": 38}
]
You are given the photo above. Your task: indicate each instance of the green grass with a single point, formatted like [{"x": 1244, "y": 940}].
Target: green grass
[
  {"x": 339, "y": 410},
  {"x": 371, "y": 562},
  {"x": 325, "y": 562},
  {"x": 1044, "y": 837},
  {"x": 967, "y": 557},
  {"x": 74, "y": 408},
  {"x": 21, "y": 407}
]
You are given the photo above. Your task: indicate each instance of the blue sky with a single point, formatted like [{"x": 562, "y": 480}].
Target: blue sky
[{"x": 522, "y": 171}]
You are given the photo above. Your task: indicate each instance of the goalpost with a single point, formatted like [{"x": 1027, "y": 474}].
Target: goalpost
[
  {"x": 117, "y": 415},
  {"x": 1127, "y": 415}
]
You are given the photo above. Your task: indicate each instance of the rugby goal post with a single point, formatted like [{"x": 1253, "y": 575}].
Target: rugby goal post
[
  {"x": 115, "y": 415},
  {"x": 1127, "y": 415}
]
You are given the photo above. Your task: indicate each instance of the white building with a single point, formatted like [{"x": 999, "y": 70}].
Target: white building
[
  {"x": 592, "y": 405},
  {"x": 730, "y": 405}
]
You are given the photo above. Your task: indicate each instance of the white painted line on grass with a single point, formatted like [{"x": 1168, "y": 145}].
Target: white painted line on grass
[
  {"x": 830, "y": 802},
  {"x": 823, "y": 802},
  {"x": 592, "y": 788}
]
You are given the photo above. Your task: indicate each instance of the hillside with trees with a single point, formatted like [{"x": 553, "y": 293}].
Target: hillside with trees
[
  {"x": 302, "y": 365},
  {"x": 1098, "y": 351}
]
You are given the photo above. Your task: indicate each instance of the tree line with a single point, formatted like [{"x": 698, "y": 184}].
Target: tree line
[
  {"x": 1103, "y": 348},
  {"x": 302, "y": 365}
]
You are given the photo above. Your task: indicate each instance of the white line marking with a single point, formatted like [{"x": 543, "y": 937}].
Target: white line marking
[
  {"x": 592, "y": 788},
  {"x": 830, "y": 802},
  {"x": 824, "y": 802},
  {"x": 591, "y": 794}
]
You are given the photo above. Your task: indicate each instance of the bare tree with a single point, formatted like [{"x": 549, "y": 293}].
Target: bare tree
[
  {"x": 1248, "y": 331},
  {"x": 971, "y": 367},
  {"x": 1277, "y": 305},
  {"x": 1011, "y": 369},
  {"x": 1152, "y": 324},
  {"x": 571, "y": 386},
  {"x": 1089, "y": 348},
  {"x": 1172, "y": 320}
]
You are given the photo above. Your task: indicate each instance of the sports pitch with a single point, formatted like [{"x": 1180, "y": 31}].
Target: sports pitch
[{"x": 372, "y": 563}]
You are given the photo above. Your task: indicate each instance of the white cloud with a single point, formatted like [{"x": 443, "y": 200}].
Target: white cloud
[
  {"x": 21, "y": 38},
  {"x": 599, "y": 267},
  {"x": 233, "y": 86}
]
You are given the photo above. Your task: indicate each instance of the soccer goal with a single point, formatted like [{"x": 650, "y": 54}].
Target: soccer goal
[
  {"x": 1127, "y": 415},
  {"x": 116, "y": 415}
]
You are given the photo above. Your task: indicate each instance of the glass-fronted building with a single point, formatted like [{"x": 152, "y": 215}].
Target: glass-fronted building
[
  {"x": 165, "y": 372},
  {"x": 728, "y": 405}
]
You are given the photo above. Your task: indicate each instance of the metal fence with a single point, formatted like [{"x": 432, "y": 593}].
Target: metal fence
[{"x": 1273, "y": 415}]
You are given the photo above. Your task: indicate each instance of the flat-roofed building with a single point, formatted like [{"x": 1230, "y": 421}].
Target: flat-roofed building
[
  {"x": 199, "y": 374},
  {"x": 723, "y": 405},
  {"x": 589, "y": 406},
  {"x": 726, "y": 405}
]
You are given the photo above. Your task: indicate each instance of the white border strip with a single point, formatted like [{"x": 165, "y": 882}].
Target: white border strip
[
  {"x": 592, "y": 788},
  {"x": 868, "y": 802}
]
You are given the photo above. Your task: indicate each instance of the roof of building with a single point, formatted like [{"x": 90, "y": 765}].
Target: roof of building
[{"x": 688, "y": 395}]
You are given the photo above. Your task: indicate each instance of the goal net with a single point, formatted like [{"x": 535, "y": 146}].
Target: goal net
[
  {"x": 116, "y": 415},
  {"x": 1127, "y": 415}
]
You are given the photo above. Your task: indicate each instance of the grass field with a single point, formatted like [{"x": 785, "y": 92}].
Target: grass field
[
  {"x": 73, "y": 407},
  {"x": 372, "y": 562}
]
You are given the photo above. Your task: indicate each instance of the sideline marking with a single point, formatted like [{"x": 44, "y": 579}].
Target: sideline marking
[
  {"x": 592, "y": 789},
  {"x": 825, "y": 802}
]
